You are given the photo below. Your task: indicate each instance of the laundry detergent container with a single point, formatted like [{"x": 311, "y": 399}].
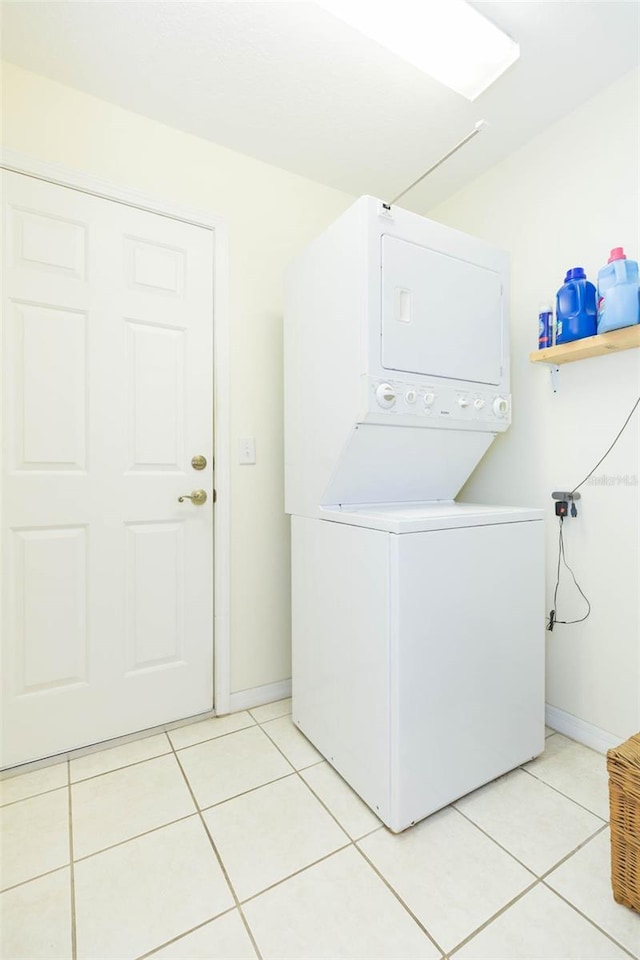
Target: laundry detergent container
[
  {"x": 618, "y": 303},
  {"x": 576, "y": 315}
]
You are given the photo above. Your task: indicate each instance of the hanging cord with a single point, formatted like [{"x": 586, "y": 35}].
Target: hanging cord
[
  {"x": 633, "y": 410},
  {"x": 562, "y": 559}
]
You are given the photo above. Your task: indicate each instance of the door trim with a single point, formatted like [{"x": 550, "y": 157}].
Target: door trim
[{"x": 17, "y": 162}]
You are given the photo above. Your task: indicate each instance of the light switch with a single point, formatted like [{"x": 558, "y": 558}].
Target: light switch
[{"x": 246, "y": 449}]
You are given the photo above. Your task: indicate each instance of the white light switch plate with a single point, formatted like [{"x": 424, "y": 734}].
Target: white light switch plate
[{"x": 246, "y": 449}]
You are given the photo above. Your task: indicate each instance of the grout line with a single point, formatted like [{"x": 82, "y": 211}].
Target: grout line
[
  {"x": 217, "y": 736},
  {"x": 198, "y": 926},
  {"x": 144, "y": 833},
  {"x": 38, "y": 876},
  {"x": 402, "y": 903},
  {"x": 496, "y": 842},
  {"x": 527, "y": 890},
  {"x": 269, "y": 719},
  {"x": 72, "y": 877},
  {"x": 32, "y": 796},
  {"x": 296, "y": 873},
  {"x": 592, "y": 836},
  {"x": 219, "y": 859},
  {"x": 565, "y": 795},
  {"x": 494, "y": 916},
  {"x": 588, "y": 918},
  {"x": 243, "y": 793}
]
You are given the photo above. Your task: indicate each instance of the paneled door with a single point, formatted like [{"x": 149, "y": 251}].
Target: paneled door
[{"x": 107, "y": 579}]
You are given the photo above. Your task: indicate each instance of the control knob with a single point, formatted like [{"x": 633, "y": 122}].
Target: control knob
[
  {"x": 500, "y": 407},
  {"x": 463, "y": 401},
  {"x": 386, "y": 395},
  {"x": 410, "y": 396},
  {"x": 428, "y": 399},
  {"x": 478, "y": 403}
]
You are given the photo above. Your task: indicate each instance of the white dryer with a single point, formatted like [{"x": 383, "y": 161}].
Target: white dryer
[{"x": 418, "y": 626}]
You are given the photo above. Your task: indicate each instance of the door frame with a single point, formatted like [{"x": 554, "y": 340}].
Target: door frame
[{"x": 17, "y": 162}]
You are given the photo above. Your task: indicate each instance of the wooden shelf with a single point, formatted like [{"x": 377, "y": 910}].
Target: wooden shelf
[{"x": 623, "y": 339}]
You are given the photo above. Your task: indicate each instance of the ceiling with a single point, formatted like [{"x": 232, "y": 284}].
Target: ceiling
[{"x": 289, "y": 84}]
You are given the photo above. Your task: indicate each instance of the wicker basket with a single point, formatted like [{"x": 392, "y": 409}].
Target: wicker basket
[{"x": 623, "y": 764}]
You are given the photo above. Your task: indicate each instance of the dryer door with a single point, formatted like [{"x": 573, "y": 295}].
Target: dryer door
[{"x": 441, "y": 316}]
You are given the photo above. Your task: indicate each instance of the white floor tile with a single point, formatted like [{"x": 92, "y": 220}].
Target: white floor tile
[
  {"x": 34, "y": 837},
  {"x": 576, "y": 771},
  {"x": 346, "y": 806},
  {"x": 338, "y": 908},
  {"x": 35, "y": 918},
  {"x": 125, "y": 803},
  {"x": 293, "y": 744},
  {"x": 585, "y": 880},
  {"x": 29, "y": 784},
  {"x": 448, "y": 873},
  {"x": 223, "y": 768},
  {"x": 209, "y": 729},
  {"x": 533, "y": 821},
  {"x": 270, "y": 711},
  {"x": 268, "y": 834},
  {"x": 223, "y": 939},
  {"x": 135, "y": 897},
  {"x": 102, "y": 761},
  {"x": 540, "y": 926}
]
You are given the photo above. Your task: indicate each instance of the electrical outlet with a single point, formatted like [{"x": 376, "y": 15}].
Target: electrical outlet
[{"x": 246, "y": 450}]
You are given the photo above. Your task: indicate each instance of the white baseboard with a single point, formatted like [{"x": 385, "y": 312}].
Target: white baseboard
[
  {"x": 256, "y": 696},
  {"x": 580, "y": 730}
]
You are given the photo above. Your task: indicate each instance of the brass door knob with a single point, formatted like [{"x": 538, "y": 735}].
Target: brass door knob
[
  {"x": 197, "y": 497},
  {"x": 198, "y": 462}
]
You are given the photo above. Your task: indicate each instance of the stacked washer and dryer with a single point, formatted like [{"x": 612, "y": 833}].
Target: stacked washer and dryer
[{"x": 418, "y": 621}]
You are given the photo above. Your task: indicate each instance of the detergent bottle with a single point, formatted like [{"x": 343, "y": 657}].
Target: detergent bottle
[
  {"x": 575, "y": 307},
  {"x": 618, "y": 303}
]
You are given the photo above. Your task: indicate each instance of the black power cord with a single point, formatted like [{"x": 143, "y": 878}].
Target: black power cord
[
  {"x": 562, "y": 559},
  {"x": 553, "y": 617}
]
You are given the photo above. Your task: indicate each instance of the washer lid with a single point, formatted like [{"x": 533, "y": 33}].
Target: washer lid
[{"x": 420, "y": 517}]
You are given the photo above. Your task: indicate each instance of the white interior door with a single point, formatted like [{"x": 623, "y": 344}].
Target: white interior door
[{"x": 107, "y": 580}]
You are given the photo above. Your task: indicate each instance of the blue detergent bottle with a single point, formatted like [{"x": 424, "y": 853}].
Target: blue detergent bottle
[
  {"x": 618, "y": 304},
  {"x": 576, "y": 315}
]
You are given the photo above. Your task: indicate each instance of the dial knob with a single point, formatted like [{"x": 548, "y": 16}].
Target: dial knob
[
  {"x": 428, "y": 399},
  {"x": 500, "y": 407},
  {"x": 478, "y": 403},
  {"x": 386, "y": 395},
  {"x": 410, "y": 396},
  {"x": 463, "y": 401}
]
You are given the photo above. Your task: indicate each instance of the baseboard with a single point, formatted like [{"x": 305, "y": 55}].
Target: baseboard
[
  {"x": 256, "y": 696},
  {"x": 580, "y": 730}
]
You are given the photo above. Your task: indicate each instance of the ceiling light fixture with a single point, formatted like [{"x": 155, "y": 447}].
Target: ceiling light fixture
[{"x": 448, "y": 39}]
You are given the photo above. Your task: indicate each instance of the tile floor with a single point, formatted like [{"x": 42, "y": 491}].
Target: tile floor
[{"x": 232, "y": 838}]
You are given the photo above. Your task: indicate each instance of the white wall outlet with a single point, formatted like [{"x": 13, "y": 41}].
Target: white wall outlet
[{"x": 246, "y": 449}]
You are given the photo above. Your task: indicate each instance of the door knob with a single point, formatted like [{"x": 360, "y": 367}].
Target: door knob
[
  {"x": 197, "y": 497},
  {"x": 198, "y": 462}
]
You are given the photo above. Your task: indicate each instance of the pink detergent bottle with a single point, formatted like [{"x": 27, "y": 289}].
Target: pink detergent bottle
[{"x": 618, "y": 298}]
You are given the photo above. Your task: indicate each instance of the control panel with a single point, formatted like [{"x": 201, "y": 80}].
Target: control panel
[{"x": 437, "y": 400}]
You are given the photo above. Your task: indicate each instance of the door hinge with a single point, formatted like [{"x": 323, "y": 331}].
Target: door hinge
[{"x": 215, "y": 496}]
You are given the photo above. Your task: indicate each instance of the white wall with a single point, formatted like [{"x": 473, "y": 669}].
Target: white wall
[
  {"x": 561, "y": 201},
  {"x": 271, "y": 215}
]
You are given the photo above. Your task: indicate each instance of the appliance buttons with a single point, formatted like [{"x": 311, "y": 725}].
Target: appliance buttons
[
  {"x": 463, "y": 401},
  {"x": 478, "y": 403},
  {"x": 500, "y": 407},
  {"x": 410, "y": 396},
  {"x": 428, "y": 399},
  {"x": 386, "y": 395}
]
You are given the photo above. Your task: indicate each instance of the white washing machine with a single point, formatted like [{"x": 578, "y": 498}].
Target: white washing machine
[{"x": 418, "y": 624}]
